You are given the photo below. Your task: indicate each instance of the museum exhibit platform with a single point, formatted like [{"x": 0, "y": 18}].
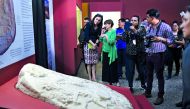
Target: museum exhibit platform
[{"x": 12, "y": 98}]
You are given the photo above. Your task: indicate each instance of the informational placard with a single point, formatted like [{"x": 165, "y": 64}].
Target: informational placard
[
  {"x": 50, "y": 33},
  {"x": 16, "y": 31}
]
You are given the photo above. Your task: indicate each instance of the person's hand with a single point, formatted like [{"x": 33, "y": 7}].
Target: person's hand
[
  {"x": 103, "y": 30},
  {"x": 158, "y": 39},
  {"x": 171, "y": 46},
  {"x": 102, "y": 35},
  {"x": 132, "y": 28},
  {"x": 94, "y": 46}
]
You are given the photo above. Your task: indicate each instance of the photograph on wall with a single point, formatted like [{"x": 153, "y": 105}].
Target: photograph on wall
[
  {"x": 16, "y": 31},
  {"x": 48, "y": 5}
]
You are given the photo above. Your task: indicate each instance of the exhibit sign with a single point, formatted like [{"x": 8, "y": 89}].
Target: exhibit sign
[
  {"x": 50, "y": 34},
  {"x": 16, "y": 31}
]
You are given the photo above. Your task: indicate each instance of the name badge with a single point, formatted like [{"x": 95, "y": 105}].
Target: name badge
[{"x": 134, "y": 42}]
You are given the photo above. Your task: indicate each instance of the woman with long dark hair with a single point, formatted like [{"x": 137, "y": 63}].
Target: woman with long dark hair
[
  {"x": 174, "y": 52},
  {"x": 135, "y": 52},
  {"x": 92, "y": 33}
]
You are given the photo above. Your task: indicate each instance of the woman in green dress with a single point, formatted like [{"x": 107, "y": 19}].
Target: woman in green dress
[{"x": 109, "y": 53}]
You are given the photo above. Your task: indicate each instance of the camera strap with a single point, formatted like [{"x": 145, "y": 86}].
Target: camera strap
[{"x": 157, "y": 28}]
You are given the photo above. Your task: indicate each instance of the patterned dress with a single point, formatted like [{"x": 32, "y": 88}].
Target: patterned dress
[{"x": 90, "y": 55}]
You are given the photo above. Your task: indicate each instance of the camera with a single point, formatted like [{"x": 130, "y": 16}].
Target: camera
[{"x": 148, "y": 41}]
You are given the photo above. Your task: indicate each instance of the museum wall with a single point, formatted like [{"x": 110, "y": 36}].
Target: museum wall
[{"x": 66, "y": 48}]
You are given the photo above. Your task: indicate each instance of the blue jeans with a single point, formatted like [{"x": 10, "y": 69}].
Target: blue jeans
[{"x": 121, "y": 61}]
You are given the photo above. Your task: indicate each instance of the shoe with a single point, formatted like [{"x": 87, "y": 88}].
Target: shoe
[
  {"x": 117, "y": 84},
  {"x": 132, "y": 90},
  {"x": 137, "y": 79},
  {"x": 168, "y": 77},
  {"x": 176, "y": 74},
  {"x": 120, "y": 77},
  {"x": 159, "y": 101},
  {"x": 147, "y": 95},
  {"x": 143, "y": 86},
  {"x": 179, "y": 104}
]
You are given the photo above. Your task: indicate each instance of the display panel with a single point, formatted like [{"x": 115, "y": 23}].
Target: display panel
[
  {"x": 16, "y": 31},
  {"x": 50, "y": 33}
]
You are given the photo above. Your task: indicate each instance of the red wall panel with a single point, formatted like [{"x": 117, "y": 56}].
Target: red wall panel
[
  {"x": 169, "y": 9},
  {"x": 11, "y": 71},
  {"x": 79, "y": 3},
  {"x": 105, "y": 6},
  {"x": 65, "y": 35}
]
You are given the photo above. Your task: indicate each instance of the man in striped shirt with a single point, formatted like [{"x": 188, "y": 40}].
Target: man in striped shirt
[{"x": 159, "y": 34}]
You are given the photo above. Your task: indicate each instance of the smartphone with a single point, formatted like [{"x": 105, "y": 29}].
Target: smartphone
[{"x": 127, "y": 26}]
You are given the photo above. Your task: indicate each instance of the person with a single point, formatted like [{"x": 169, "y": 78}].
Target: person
[
  {"x": 175, "y": 50},
  {"x": 121, "y": 46},
  {"x": 109, "y": 53},
  {"x": 135, "y": 51},
  {"x": 92, "y": 33},
  {"x": 127, "y": 20},
  {"x": 82, "y": 38},
  {"x": 186, "y": 61},
  {"x": 86, "y": 20},
  {"x": 182, "y": 14},
  {"x": 158, "y": 35}
]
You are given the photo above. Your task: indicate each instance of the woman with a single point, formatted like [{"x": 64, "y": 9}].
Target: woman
[
  {"x": 174, "y": 51},
  {"x": 135, "y": 52},
  {"x": 109, "y": 53},
  {"x": 92, "y": 33}
]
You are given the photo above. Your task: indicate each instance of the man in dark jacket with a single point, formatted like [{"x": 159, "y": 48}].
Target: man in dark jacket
[{"x": 186, "y": 61}]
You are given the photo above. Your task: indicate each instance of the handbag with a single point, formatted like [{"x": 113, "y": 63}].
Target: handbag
[
  {"x": 81, "y": 38},
  {"x": 90, "y": 46}
]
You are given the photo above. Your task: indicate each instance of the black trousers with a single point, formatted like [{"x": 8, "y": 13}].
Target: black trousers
[
  {"x": 131, "y": 61},
  {"x": 174, "y": 55},
  {"x": 109, "y": 71},
  {"x": 155, "y": 62}
]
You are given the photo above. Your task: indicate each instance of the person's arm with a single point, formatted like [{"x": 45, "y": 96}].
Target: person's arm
[
  {"x": 101, "y": 37},
  {"x": 87, "y": 32},
  {"x": 168, "y": 37},
  {"x": 182, "y": 42},
  {"x": 141, "y": 32},
  {"x": 111, "y": 40}
]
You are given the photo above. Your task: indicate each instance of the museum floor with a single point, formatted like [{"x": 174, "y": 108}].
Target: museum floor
[{"x": 173, "y": 87}]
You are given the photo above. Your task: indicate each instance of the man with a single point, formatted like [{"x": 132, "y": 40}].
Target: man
[
  {"x": 121, "y": 46},
  {"x": 186, "y": 61},
  {"x": 86, "y": 20},
  {"x": 159, "y": 34}
]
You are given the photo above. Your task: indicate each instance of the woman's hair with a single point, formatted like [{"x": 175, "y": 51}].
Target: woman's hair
[
  {"x": 139, "y": 20},
  {"x": 175, "y": 22},
  {"x": 101, "y": 22},
  {"x": 109, "y": 21},
  {"x": 188, "y": 8}
]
